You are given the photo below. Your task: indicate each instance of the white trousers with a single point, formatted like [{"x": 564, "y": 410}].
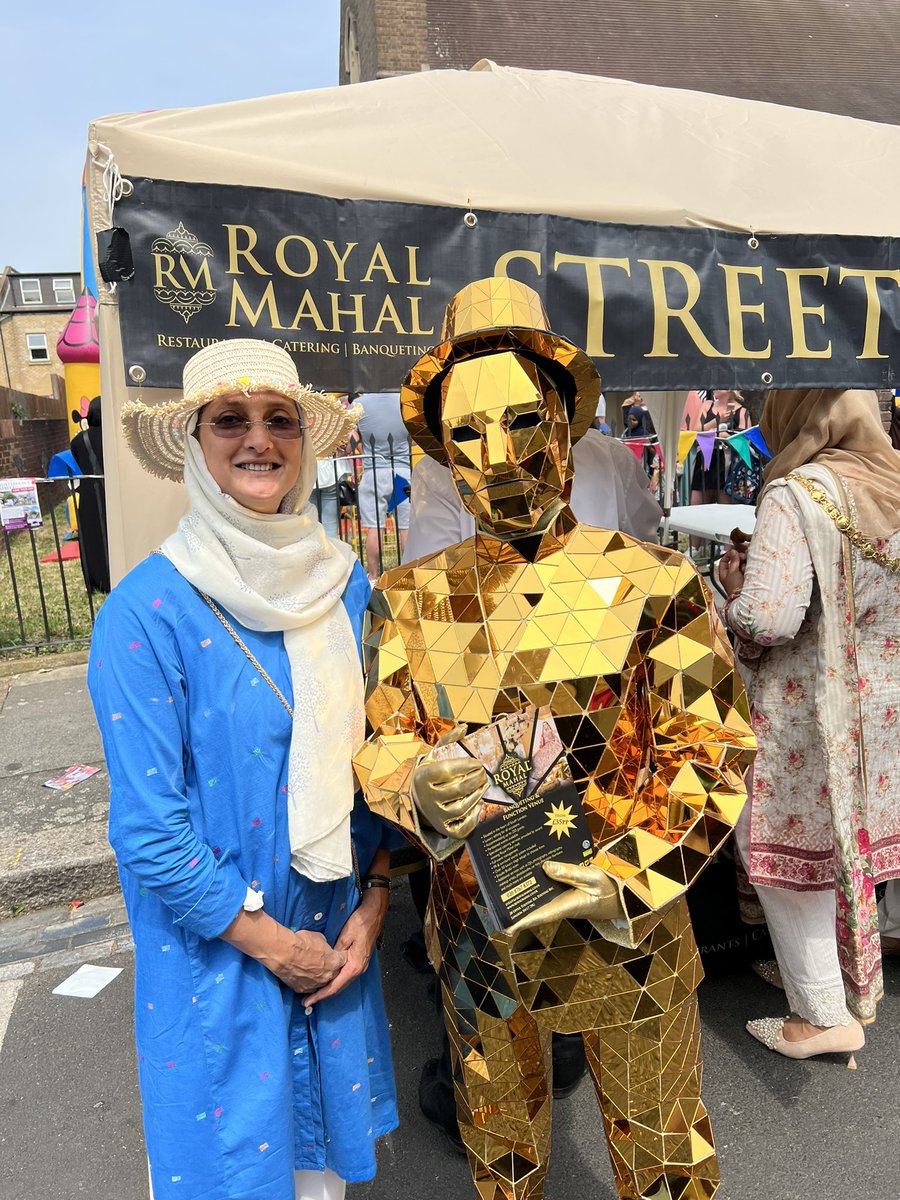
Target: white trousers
[
  {"x": 802, "y": 929},
  {"x": 312, "y": 1185},
  {"x": 889, "y": 910},
  {"x": 318, "y": 1185}
]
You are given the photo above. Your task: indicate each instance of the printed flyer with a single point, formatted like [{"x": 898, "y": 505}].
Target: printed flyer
[{"x": 19, "y": 505}]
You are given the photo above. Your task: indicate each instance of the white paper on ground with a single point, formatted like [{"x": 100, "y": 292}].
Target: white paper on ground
[{"x": 87, "y": 981}]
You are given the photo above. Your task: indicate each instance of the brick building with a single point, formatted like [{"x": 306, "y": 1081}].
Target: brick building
[
  {"x": 32, "y": 430},
  {"x": 818, "y": 54},
  {"x": 34, "y": 310}
]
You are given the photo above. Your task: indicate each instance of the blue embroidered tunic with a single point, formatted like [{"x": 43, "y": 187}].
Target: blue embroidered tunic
[{"x": 240, "y": 1085}]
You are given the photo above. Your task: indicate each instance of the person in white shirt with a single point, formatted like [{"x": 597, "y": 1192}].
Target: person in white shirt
[{"x": 610, "y": 491}]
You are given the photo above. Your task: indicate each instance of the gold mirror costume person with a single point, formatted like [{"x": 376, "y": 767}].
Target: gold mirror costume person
[{"x": 620, "y": 640}]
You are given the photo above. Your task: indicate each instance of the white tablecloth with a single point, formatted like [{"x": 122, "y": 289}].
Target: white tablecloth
[{"x": 713, "y": 521}]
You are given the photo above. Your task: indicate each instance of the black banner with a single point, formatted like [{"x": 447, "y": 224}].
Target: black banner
[{"x": 356, "y": 290}]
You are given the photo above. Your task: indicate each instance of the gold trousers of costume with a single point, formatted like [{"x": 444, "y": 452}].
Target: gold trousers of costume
[{"x": 646, "y": 1069}]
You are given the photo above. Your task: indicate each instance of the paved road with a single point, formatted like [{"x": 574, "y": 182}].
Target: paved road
[{"x": 70, "y": 1119}]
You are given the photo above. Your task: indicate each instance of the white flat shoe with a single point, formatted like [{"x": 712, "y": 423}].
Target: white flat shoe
[{"x": 840, "y": 1039}]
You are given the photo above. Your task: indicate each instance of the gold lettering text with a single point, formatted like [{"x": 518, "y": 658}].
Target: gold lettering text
[
  {"x": 165, "y": 264},
  {"x": 236, "y": 252},
  {"x": 356, "y": 312},
  {"x": 593, "y": 274},
  {"x": 413, "y": 276},
  {"x": 340, "y": 260},
  {"x": 532, "y": 256},
  {"x": 388, "y": 313},
  {"x": 799, "y": 311},
  {"x": 736, "y": 309},
  {"x": 306, "y": 310},
  {"x": 873, "y": 306},
  {"x": 663, "y": 312},
  {"x": 311, "y": 251},
  {"x": 253, "y": 315},
  {"x": 379, "y": 262},
  {"x": 414, "y": 326}
]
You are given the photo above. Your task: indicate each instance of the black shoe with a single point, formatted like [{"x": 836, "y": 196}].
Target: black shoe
[
  {"x": 438, "y": 1103},
  {"x": 413, "y": 950},
  {"x": 569, "y": 1063}
]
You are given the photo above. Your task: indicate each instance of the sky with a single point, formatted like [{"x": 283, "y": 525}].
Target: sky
[{"x": 65, "y": 64}]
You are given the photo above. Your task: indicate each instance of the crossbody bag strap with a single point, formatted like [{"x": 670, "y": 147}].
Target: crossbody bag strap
[
  {"x": 242, "y": 644},
  {"x": 848, "y": 575},
  {"x": 239, "y": 641},
  {"x": 840, "y": 517},
  {"x": 867, "y": 548},
  {"x": 246, "y": 649}
]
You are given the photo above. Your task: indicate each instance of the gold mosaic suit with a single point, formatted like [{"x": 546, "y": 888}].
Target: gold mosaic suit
[{"x": 620, "y": 640}]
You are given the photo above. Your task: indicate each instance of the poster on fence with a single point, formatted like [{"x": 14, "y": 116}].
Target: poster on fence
[{"x": 19, "y": 505}]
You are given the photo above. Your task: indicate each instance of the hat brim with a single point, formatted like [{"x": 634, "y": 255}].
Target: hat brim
[
  {"x": 534, "y": 342},
  {"x": 155, "y": 432}
]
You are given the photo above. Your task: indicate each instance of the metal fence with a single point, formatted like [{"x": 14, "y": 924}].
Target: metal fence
[
  {"x": 45, "y": 597},
  {"x": 362, "y": 497}
]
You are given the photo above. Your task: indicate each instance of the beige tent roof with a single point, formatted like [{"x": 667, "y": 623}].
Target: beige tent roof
[
  {"x": 535, "y": 141},
  {"x": 495, "y": 138}
]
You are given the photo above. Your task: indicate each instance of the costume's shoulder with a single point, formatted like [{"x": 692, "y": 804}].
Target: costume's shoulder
[
  {"x": 602, "y": 553},
  {"x": 421, "y": 572}
]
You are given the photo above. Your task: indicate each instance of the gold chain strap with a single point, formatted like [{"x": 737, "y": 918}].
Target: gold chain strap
[
  {"x": 246, "y": 649},
  {"x": 864, "y": 545},
  {"x": 275, "y": 688}
]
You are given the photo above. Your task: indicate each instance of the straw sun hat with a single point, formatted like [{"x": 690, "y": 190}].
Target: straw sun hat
[{"x": 155, "y": 432}]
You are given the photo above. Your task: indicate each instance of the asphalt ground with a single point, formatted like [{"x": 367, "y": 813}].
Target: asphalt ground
[{"x": 70, "y": 1114}]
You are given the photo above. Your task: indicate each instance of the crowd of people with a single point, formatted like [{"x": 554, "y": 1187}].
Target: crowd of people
[
  {"x": 377, "y": 459},
  {"x": 226, "y": 676}
]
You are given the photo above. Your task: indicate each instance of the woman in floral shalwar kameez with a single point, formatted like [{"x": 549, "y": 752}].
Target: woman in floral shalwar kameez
[{"x": 816, "y": 611}]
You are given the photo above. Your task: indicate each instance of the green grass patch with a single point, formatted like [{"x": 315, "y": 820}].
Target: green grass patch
[{"x": 53, "y": 607}]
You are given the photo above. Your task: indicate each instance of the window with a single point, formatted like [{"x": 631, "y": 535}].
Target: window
[
  {"x": 37, "y": 347},
  {"x": 351, "y": 51},
  {"x": 63, "y": 291},
  {"x": 30, "y": 291}
]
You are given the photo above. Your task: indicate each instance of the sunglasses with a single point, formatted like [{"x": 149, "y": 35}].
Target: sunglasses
[{"x": 286, "y": 429}]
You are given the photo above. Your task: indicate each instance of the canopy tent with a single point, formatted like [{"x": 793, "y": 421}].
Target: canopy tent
[{"x": 491, "y": 140}]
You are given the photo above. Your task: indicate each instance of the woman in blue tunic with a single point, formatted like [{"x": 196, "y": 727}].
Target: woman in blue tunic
[{"x": 226, "y": 679}]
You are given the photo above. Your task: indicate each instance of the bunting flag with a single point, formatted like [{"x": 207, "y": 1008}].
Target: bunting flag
[
  {"x": 399, "y": 494},
  {"x": 756, "y": 439},
  {"x": 706, "y": 441},
  {"x": 738, "y": 442},
  {"x": 686, "y": 439},
  {"x": 637, "y": 446}
]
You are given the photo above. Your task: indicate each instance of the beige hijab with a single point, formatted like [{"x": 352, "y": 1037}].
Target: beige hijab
[
  {"x": 279, "y": 572},
  {"x": 841, "y": 431}
]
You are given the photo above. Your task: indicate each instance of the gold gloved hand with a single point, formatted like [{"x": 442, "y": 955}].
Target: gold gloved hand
[
  {"x": 448, "y": 793},
  {"x": 593, "y": 896}
]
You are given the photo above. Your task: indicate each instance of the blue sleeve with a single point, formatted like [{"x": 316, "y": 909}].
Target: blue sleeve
[{"x": 137, "y": 686}]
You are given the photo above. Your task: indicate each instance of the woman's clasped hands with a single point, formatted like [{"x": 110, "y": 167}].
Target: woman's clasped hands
[{"x": 302, "y": 959}]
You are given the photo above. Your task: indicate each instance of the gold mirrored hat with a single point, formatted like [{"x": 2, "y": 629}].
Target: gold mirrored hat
[{"x": 486, "y": 317}]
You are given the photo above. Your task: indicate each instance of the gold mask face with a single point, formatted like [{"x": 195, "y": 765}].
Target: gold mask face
[{"x": 506, "y": 434}]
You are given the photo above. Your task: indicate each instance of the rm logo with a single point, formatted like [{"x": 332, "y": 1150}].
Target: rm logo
[{"x": 181, "y": 272}]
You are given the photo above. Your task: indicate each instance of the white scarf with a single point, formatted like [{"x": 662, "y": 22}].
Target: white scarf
[{"x": 280, "y": 571}]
